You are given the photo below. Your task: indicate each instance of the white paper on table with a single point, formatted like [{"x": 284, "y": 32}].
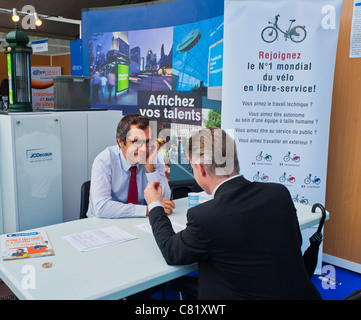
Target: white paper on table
[
  {"x": 146, "y": 227},
  {"x": 92, "y": 239}
]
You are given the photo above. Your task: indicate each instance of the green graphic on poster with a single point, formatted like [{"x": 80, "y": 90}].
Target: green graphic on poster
[{"x": 123, "y": 77}]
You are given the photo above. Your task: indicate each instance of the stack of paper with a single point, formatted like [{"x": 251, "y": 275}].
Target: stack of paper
[{"x": 92, "y": 239}]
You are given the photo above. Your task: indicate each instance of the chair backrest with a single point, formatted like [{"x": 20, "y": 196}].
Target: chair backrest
[
  {"x": 180, "y": 188},
  {"x": 84, "y": 199},
  {"x": 356, "y": 295}
]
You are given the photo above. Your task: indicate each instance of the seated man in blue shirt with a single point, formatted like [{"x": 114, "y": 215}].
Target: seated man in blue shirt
[{"x": 111, "y": 172}]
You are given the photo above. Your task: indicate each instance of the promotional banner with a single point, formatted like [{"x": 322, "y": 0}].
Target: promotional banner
[
  {"x": 167, "y": 67},
  {"x": 42, "y": 86},
  {"x": 279, "y": 59}
]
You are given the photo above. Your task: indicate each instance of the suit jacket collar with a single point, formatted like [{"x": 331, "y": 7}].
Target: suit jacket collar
[{"x": 238, "y": 182}]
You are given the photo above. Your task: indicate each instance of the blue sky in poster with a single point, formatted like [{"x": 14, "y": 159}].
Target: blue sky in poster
[
  {"x": 140, "y": 17},
  {"x": 191, "y": 66}
]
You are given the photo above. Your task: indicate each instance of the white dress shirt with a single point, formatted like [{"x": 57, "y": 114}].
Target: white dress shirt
[{"x": 110, "y": 183}]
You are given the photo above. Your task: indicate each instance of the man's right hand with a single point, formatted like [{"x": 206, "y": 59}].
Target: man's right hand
[{"x": 153, "y": 192}]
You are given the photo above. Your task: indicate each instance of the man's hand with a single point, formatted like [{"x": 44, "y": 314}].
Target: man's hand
[
  {"x": 153, "y": 150},
  {"x": 153, "y": 192},
  {"x": 168, "y": 205}
]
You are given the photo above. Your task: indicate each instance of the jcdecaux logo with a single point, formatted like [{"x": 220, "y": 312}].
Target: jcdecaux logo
[{"x": 38, "y": 155}]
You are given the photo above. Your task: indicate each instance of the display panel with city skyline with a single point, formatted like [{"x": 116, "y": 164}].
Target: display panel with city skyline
[
  {"x": 145, "y": 70},
  {"x": 148, "y": 53}
]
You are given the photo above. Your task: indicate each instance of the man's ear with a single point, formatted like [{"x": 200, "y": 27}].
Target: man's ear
[
  {"x": 201, "y": 169},
  {"x": 120, "y": 143}
]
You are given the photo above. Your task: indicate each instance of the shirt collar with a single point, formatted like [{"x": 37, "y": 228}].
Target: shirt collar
[
  {"x": 124, "y": 162},
  {"x": 228, "y": 179}
]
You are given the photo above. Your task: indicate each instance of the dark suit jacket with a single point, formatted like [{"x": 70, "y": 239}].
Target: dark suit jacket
[{"x": 246, "y": 240}]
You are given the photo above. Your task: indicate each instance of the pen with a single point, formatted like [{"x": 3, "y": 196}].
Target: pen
[{"x": 333, "y": 280}]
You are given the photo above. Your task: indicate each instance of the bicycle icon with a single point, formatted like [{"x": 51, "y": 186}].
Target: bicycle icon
[
  {"x": 288, "y": 157},
  {"x": 297, "y": 33},
  {"x": 303, "y": 200},
  {"x": 263, "y": 177},
  {"x": 308, "y": 180},
  {"x": 267, "y": 157},
  {"x": 289, "y": 179}
]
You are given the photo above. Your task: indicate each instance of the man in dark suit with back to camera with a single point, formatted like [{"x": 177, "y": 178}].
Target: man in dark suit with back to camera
[{"x": 246, "y": 239}]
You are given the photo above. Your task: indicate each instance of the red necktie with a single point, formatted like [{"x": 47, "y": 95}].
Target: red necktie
[{"x": 133, "y": 189}]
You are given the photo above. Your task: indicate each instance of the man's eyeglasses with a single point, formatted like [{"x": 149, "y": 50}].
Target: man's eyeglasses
[{"x": 140, "y": 143}]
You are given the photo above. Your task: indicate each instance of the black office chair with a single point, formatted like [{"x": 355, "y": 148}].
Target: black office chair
[
  {"x": 356, "y": 295},
  {"x": 84, "y": 199},
  {"x": 180, "y": 188}
]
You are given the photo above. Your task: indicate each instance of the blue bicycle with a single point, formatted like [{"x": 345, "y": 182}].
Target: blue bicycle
[{"x": 309, "y": 179}]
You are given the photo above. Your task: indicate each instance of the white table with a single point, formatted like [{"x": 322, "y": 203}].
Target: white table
[
  {"x": 307, "y": 218},
  {"x": 111, "y": 272}
]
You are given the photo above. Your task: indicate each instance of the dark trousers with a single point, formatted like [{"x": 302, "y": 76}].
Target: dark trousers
[{"x": 185, "y": 284}]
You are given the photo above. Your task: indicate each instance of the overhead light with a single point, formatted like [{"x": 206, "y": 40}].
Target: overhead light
[
  {"x": 15, "y": 17},
  {"x": 38, "y": 22}
]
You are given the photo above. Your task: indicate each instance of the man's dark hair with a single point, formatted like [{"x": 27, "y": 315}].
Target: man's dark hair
[{"x": 137, "y": 119}]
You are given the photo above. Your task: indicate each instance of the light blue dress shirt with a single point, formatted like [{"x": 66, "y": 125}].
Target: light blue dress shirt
[{"x": 110, "y": 183}]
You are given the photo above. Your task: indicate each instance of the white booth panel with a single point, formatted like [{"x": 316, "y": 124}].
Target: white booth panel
[
  {"x": 102, "y": 127},
  {"x": 44, "y": 159},
  {"x": 38, "y": 170},
  {"x": 7, "y": 175},
  {"x": 1, "y": 209},
  {"x": 30, "y": 178},
  {"x": 1, "y": 191},
  {"x": 74, "y": 148},
  {"x": 84, "y": 135}
]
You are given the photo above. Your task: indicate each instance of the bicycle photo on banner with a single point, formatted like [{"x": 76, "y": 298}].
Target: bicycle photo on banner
[
  {"x": 295, "y": 33},
  {"x": 278, "y": 69}
]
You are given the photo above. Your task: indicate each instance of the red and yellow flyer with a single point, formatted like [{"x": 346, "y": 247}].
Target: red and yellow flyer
[{"x": 25, "y": 245}]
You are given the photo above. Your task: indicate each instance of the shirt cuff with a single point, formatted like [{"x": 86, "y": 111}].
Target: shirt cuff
[
  {"x": 154, "y": 204},
  {"x": 153, "y": 176},
  {"x": 140, "y": 211}
]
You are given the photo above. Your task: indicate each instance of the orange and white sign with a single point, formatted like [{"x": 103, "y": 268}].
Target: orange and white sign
[{"x": 42, "y": 86}]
